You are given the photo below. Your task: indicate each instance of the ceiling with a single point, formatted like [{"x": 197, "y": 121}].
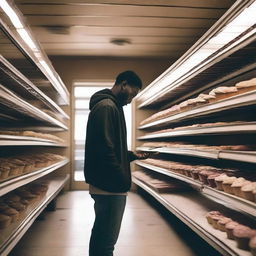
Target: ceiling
[{"x": 152, "y": 28}]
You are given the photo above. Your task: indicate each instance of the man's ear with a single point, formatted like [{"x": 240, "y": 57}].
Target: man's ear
[{"x": 123, "y": 84}]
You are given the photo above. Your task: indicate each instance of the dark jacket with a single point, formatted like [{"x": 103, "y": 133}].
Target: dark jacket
[{"x": 107, "y": 160}]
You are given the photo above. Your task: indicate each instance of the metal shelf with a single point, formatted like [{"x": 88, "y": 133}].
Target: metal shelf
[
  {"x": 12, "y": 101},
  {"x": 12, "y": 234},
  {"x": 241, "y": 156},
  {"x": 234, "y": 202},
  {"x": 196, "y": 184},
  {"x": 241, "y": 100},
  {"x": 11, "y": 140},
  {"x": 192, "y": 212},
  {"x": 59, "y": 91},
  {"x": 211, "y": 154},
  {"x": 241, "y": 128},
  {"x": 16, "y": 182},
  {"x": 26, "y": 87},
  {"x": 237, "y": 203}
]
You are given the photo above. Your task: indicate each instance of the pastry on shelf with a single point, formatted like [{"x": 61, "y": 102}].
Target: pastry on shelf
[
  {"x": 226, "y": 184},
  {"x": 237, "y": 184},
  {"x": 5, "y": 221},
  {"x": 247, "y": 191},
  {"x": 246, "y": 86},
  {"x": 242, "y": 235},
  {"x": 223, "y": 92},
  {"x": 211, "y": 214},
  {"x": 219, "y": 180},
  {"x": 252, "y": 245},
  {"x": 12, "y": 213},
  {"x": 221, "y": 224},
  {"x": 229, "y": 227}
]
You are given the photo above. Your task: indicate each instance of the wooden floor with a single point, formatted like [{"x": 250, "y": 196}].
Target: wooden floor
[{"x": 147, "y": 230}]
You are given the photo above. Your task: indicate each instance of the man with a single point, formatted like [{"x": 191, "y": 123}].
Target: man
[{"x": 107, "y": 160}]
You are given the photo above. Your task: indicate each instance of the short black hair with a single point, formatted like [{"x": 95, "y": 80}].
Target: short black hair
[{"x": 130, "y": 77}]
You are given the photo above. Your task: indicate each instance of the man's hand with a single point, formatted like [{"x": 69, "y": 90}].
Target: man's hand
[{"x": 144, "y": 155}]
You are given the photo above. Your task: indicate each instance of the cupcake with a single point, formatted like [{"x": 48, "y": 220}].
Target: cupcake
[
  {"x": 226, "y": 184},
  {"x": 252, "y": 245},
  {"x": 222, "y": 223},
  {"x": 4, "y": 221},
  {"x": 229, "y": 227},
  {"x": 237, "y": 184},
  {"x": 247, "y": 191},
  {"x": 211, "y": 179},
  {"x": 242, "y": 235},
  {"x": 219, "y": 180},
  {"x": 12, "y": 213},
  {"x": 211, "y": 214},
  {"x": 195, "y": 174}
]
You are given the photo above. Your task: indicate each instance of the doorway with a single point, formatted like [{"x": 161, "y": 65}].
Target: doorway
[{"x": 82, "y": 91}]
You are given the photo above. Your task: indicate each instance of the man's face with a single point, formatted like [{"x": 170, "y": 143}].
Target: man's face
[{"x": 128, "y": 93}]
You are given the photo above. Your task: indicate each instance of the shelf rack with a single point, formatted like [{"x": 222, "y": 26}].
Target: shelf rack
[
  {"x": 12, "y": 101},
  {"x": 192, "y": 212},
  {"x": 239, "y": 204},
  {"x": 12, "y": 234},
  {"x": 12, "y": 140},
  {"x": 239, "y": 128},
  {"x": 26, "y": 87},
  {"x": 16, "y": 182},
  {"x": 245, "y": 99},
  {"x": 242, "y": 156}
]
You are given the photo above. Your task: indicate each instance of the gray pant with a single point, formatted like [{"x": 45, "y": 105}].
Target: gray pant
[{"x": 109, "y": 211}]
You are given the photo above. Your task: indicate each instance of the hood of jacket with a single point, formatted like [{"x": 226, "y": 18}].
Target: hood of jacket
[{"x": 101, "y": 95}]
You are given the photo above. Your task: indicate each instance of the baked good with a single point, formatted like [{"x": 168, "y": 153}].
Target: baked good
[
  {"x": 223, "y": 92},
  {"x": 12, "y": 213},
  {"x": 211, "y": 214},
  {"x": 4, "y": 221},
  {"x": 222, "y": 223},
  {"x": 226, "y": 184},
  {"x": 229, "y": 227},
  {"x": 254, "y": 194},
  {"x": 237, "y": 184},
  {"x": 219, "y": 180},
  {"x": 4, "y": 172},
  {"x": 246, "y": 86},
  {"x": 242, "y": 235},
  {"x": 252, "y": 245},
  {"x": 246, "y": 191},
  {"x": 211, "y": 179}
]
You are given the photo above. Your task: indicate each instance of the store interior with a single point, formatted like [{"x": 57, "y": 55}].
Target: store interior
[{"x": 196, "y": 194}]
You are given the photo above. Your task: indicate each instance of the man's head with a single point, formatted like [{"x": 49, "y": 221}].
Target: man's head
[{"x": 127, "y": 86}]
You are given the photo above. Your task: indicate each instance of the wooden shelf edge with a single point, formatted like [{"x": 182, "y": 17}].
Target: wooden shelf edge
[
  {"x": 20, "y": 230},
  {"x": 9, "y": 185}
]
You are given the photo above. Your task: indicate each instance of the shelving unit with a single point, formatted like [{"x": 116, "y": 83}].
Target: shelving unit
[
  {"x": 11, "y": 140},
  {"x": 241, "y": 128},
  {"x": 31, "y": 99},
  {"x": 16, "y": 182},
  {"x": 192, "y": 212},
  {"x": 246, "y": 99},
  {"x": 11, "y": 235},
  {"x": 222, "y": 122},
  {"x": 231, "y": 201}
]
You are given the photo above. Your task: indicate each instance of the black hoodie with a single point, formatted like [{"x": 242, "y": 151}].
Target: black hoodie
[{"x": 107, "y": 160}]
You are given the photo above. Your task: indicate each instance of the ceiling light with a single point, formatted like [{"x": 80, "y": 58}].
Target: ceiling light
[
  {"x": 11, "y": 14},
  {"x": 233, "y": 29}
]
